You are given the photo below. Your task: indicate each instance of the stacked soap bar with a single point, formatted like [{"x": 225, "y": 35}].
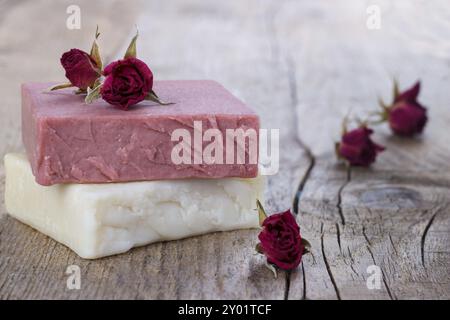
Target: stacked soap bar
[
  {"x": 102, "y": 180},
  {"x": 97, "y": 220},
  {"x": 68, "y": 141}
]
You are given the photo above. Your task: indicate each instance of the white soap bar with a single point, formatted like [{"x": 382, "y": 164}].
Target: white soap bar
[{"x": 97, "y": 220}]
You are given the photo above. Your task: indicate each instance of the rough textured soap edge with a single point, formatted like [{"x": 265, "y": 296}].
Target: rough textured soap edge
[{"x": 29, "y": 128}]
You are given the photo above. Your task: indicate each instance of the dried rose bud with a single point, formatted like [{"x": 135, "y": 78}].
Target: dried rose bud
[
  {"x": 280, "y": 241},
  {"x": 357, "y": 148},
  {"x": 81, "y": 70},
  {"x": 406, "y": 116},
  {"x": 127, "y": 82}
]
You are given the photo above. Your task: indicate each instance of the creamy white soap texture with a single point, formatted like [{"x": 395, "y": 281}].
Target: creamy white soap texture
[{"x": 97, "y": 220}]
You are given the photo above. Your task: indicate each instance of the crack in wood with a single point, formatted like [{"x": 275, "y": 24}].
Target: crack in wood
[
  {"x": 350, "y": 255},
  {"x": 388, "y": 290},
  {"x": 304, "y": 282},
  {"x": 424, "y": 236},
  {"x": 351, "y": 263},
  {"x": 353, "y": 269},
  {"x": 301, "y": 186},
  {"x": 365, "y": 236},
  {"x": 327, "y": 265},
  {"x": 292, "y": 79},
  {"x": 338, "y": 236},
  {"x": 288, "y": 284},
  {"x": 340, "y": 191},
  {"x": 392, "y": 243}
]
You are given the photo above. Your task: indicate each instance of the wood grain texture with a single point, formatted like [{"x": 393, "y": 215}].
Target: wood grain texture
[
  {"x": 394, "y": 215},
  {"x": 301, "y": 65},
  {"x": 221, "y": 265}
]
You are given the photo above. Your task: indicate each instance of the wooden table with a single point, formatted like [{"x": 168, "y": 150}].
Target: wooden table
[{"x": 301, "y": 65}]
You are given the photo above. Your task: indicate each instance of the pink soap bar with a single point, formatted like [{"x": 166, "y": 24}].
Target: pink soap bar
[{"x": 68, "y": 141}]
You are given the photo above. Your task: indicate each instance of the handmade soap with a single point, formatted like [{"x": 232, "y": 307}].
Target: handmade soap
[
  {"x": 68, "y": 141},
  {"x": 97, "y": 220}
]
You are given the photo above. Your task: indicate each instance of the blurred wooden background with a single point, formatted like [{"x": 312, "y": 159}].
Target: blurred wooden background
[{"x": 302, "y": 65}]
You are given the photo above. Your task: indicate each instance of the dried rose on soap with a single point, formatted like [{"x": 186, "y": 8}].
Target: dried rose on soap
[
  {"x": 81, "y": 70},
  {"x": 406, "y": 116},
  {"x": 357, "y": 147},
  {"x": 127, "y": 82},
  {"x": 280, "y": 240}
]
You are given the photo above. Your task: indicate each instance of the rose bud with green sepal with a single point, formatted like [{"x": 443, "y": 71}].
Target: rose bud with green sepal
[
  {"x": 82, "y": 69},
  {"x": 406, "y": 116}
]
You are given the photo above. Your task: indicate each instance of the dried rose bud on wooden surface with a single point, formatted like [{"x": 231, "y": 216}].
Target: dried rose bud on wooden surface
[{"x": 357, "y": 148}]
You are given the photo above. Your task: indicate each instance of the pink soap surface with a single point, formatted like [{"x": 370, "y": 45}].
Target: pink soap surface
[{"x": 68, "y": 141}]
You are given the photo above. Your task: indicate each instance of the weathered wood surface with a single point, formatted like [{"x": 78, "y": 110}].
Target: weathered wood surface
[
  {"x": 396, "y": 214},
  {"x": 301, "y": 64}
]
